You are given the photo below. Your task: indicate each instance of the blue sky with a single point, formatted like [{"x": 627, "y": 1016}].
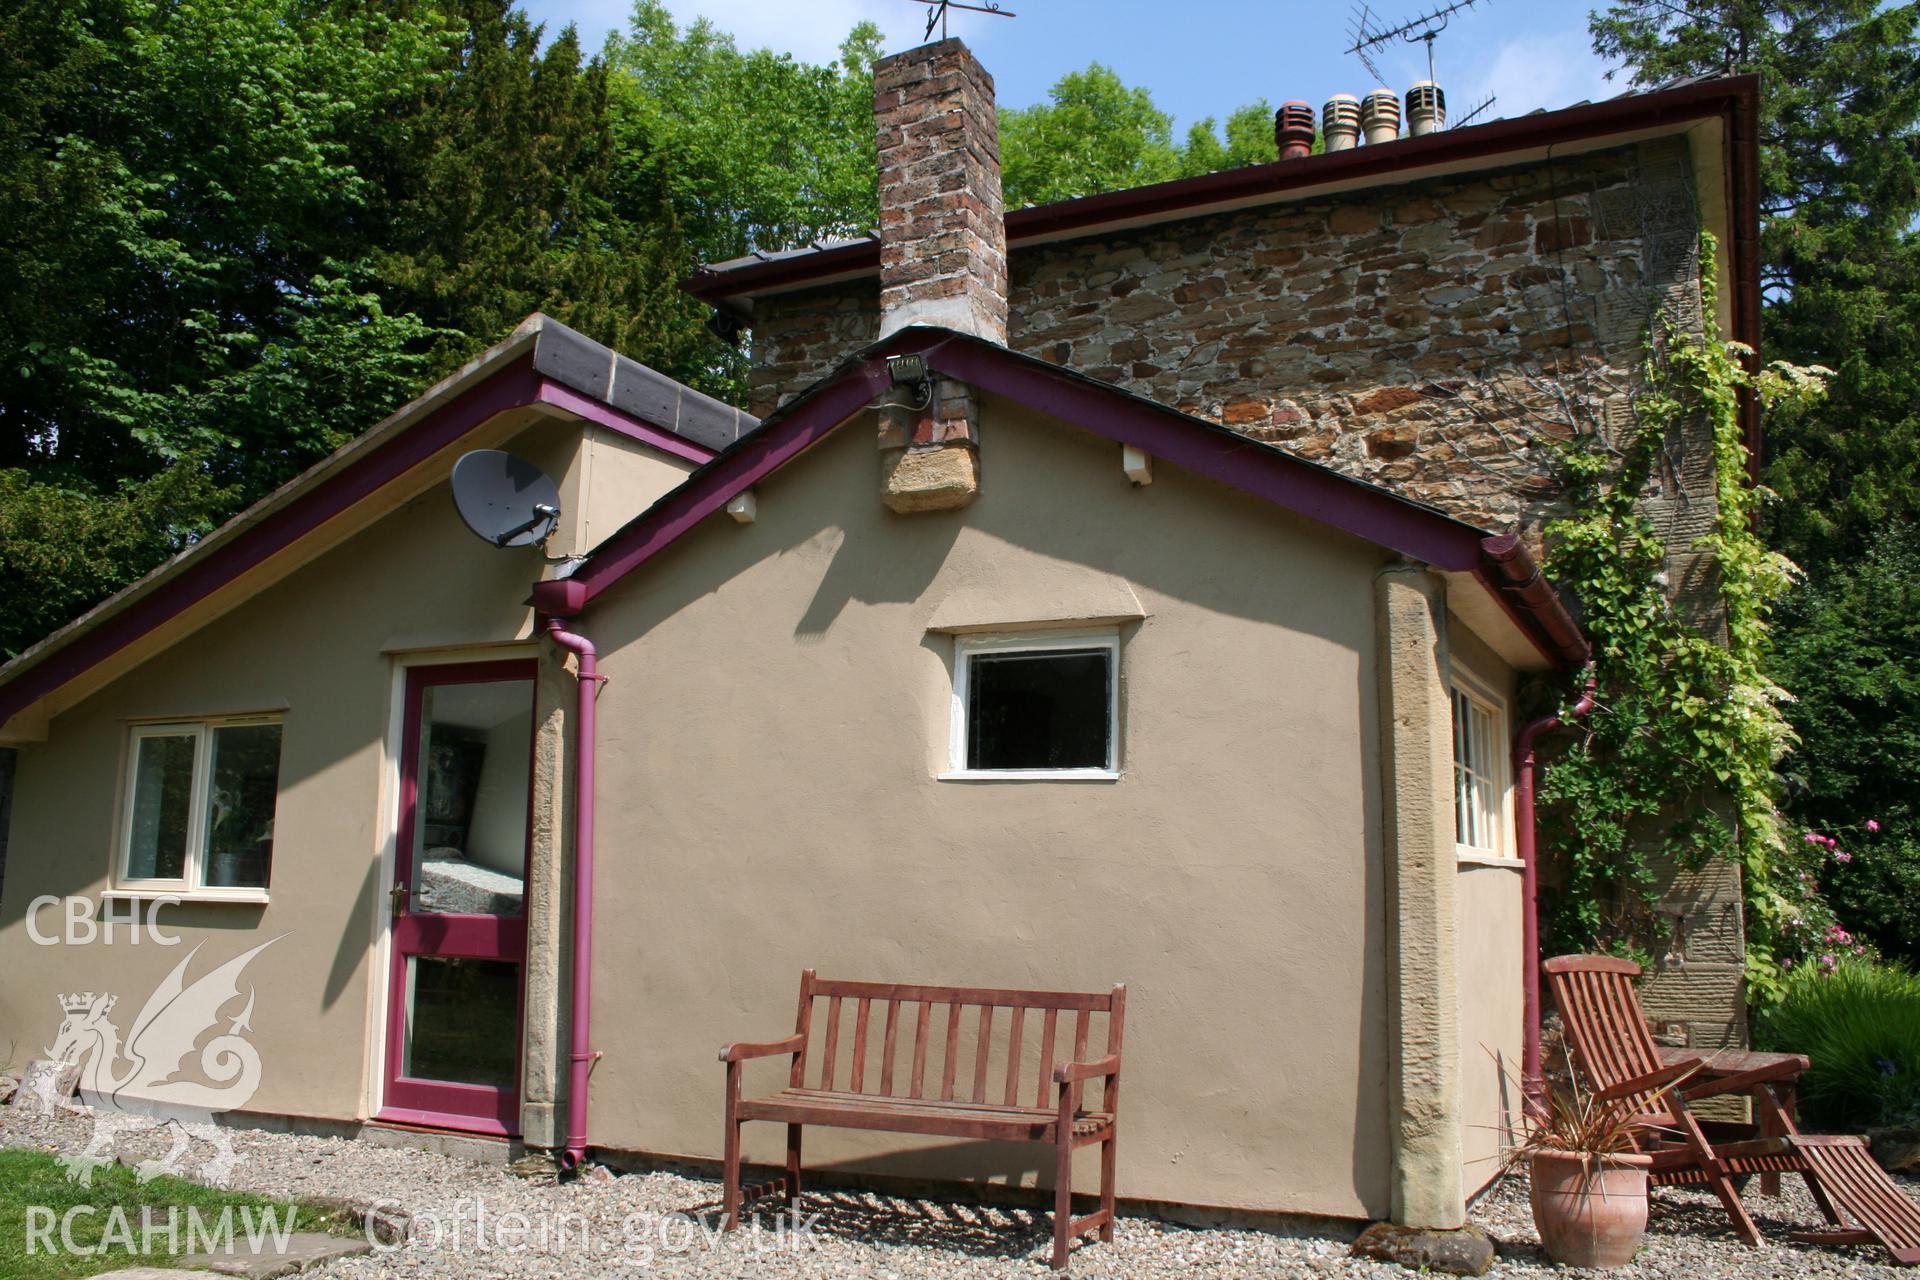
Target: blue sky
[{"x": 1197, "y": 57}]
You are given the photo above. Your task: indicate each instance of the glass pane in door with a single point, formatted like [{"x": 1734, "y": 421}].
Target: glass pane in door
[
  {"x": 470, "y": 824},
  {"x": 463, "y": 1021}
]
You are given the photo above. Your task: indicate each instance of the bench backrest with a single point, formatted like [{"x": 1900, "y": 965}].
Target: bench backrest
[
  {"x": 968, "y": 1044},
  {"x": 1607, "y": 1032}
]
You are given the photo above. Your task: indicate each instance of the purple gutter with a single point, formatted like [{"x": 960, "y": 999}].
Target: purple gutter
[
  {"x": 1367, "y": 511},
  {"x": 586, "y": 737},
  {"x": 1510, "y": 573}
]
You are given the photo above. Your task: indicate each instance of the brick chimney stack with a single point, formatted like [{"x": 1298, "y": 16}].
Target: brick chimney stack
[
  {"x": 943, "y": 234},
  {"x": 943, "y": 257}
]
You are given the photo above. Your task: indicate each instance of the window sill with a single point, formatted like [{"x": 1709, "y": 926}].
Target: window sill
[
  {"x": 1030, "y": 775},
  {"x": 1475, "y": 858},
  {"x": 254, "y": 897}
]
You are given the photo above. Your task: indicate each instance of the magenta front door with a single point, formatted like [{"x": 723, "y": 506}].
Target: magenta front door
[{"x": 459, "y": 898}]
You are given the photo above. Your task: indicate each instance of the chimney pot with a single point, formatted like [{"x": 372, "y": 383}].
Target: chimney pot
[
  {"x": 1340, "y": 122},
  {"x": 1293, "y": 130},
  {"x": 1380, "y": 115},
  {"x": 1426, "y": 109}
]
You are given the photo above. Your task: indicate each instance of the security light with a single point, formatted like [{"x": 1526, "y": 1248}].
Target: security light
[{"x": 907, "y": 370}]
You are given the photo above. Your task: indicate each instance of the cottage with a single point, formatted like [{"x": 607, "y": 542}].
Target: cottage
[{"x": 1102, "y": 593}]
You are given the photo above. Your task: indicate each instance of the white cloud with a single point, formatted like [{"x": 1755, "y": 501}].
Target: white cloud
[{"x": 1532, "y": 71}]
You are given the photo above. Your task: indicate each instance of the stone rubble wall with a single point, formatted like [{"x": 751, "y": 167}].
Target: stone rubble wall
[{"x": 1405, "y": 335}]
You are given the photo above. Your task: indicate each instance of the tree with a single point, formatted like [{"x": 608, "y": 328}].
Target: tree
[
  {"x": 767, "y": 152},
  {"x": 1840, "y": 168},
  {"x": 1095, "y": 134},
  {"x": 1849, "y": 648},
  {"x": 734, "y": 152},
  {"x": 179, "y": 271},
  {"x": 1840, "y": 157},
  {"x": 502, "y": 191}
]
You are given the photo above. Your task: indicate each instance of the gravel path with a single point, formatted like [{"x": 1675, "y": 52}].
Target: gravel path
[{"x": 490, "y": 1223}]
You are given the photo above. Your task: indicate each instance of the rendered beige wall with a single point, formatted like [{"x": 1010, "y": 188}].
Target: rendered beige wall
[
  {"x": 320, "y": 646},
  {"x": 1488, "y": 902},
  {"x": 609, "y": 480},
  {"x": 778, "y": 710}
]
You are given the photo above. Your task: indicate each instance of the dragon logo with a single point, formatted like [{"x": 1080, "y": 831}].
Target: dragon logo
[{"x": 147, "y": 1081}]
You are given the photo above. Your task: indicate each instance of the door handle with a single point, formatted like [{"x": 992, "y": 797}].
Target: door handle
[{"x": 398, "y": 896}]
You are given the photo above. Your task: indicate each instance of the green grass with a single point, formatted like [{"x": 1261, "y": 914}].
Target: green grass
[
  {"x": 1861, "y": 1026},
  {"x": 32, "y": 1182}
]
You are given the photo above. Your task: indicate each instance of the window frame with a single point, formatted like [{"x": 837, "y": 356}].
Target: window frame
[
  {"x": 191, "y": 884},
  {"x": 968, "y": 645},
  {"x": 1500, "y": 773}
]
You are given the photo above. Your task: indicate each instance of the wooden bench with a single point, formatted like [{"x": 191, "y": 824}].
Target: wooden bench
[{"x": 834, "y": 1083}]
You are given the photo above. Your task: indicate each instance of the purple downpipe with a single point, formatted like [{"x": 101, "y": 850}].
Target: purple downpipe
[
  {"x": 1532, "y": 1083},
  {"x": 583, "y": 794}
]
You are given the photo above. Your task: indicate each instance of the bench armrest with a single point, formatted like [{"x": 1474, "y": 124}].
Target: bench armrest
[
  {"x": 1070, "y": 1072},
  {"x": 1742, "y": 1081},
  {"x": 741, "y": 1050},
  {"x": 1652, "y": 1080}
]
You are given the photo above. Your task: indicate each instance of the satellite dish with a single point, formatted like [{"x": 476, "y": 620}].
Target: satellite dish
[{"x": 506, "y": 500}]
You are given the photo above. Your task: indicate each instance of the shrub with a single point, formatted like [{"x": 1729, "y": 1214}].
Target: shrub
[
  {"x": 1860, "y": 1023},
  {"x": 1849, "y": 649}
]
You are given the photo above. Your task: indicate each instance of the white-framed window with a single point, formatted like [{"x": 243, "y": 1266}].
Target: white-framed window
[
  {"x": 1036, "y": 705},
  {"x": 1481, "y": 828},
  {"x": 199, "y": 807}
]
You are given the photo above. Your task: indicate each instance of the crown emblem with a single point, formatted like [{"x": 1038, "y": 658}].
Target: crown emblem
[{"x": 84, "y": 1001}]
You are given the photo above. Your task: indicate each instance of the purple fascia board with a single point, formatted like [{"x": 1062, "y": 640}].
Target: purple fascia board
[
  {"x": 1363, "y": 510},
  {"x": 200, "y": 577},
  {"x": 710, "y": 490},
  {"x": 1351, "y": 506},
  {"x": 600, "y": 413},
  {"x": 1324, "y": 496}
]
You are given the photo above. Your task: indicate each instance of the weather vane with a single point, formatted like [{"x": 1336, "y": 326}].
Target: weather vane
[{"x": 937, "y": 13}]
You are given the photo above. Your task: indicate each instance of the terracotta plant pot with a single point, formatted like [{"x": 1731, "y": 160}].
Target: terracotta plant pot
[{"x": 1591, "y": 1211}]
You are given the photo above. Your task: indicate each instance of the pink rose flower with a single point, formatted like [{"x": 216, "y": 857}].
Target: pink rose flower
[{"x": 1872, "y": 825}]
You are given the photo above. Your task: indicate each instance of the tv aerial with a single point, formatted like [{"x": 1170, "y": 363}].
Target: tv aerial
[
  {"x": 505, "y": 500},
  {"x": 1427, "y": 27},
  {"x": 937, "y": 13},
  {"x": 1477, "y": 109},
  {"x": 1367, "y": 36}
]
